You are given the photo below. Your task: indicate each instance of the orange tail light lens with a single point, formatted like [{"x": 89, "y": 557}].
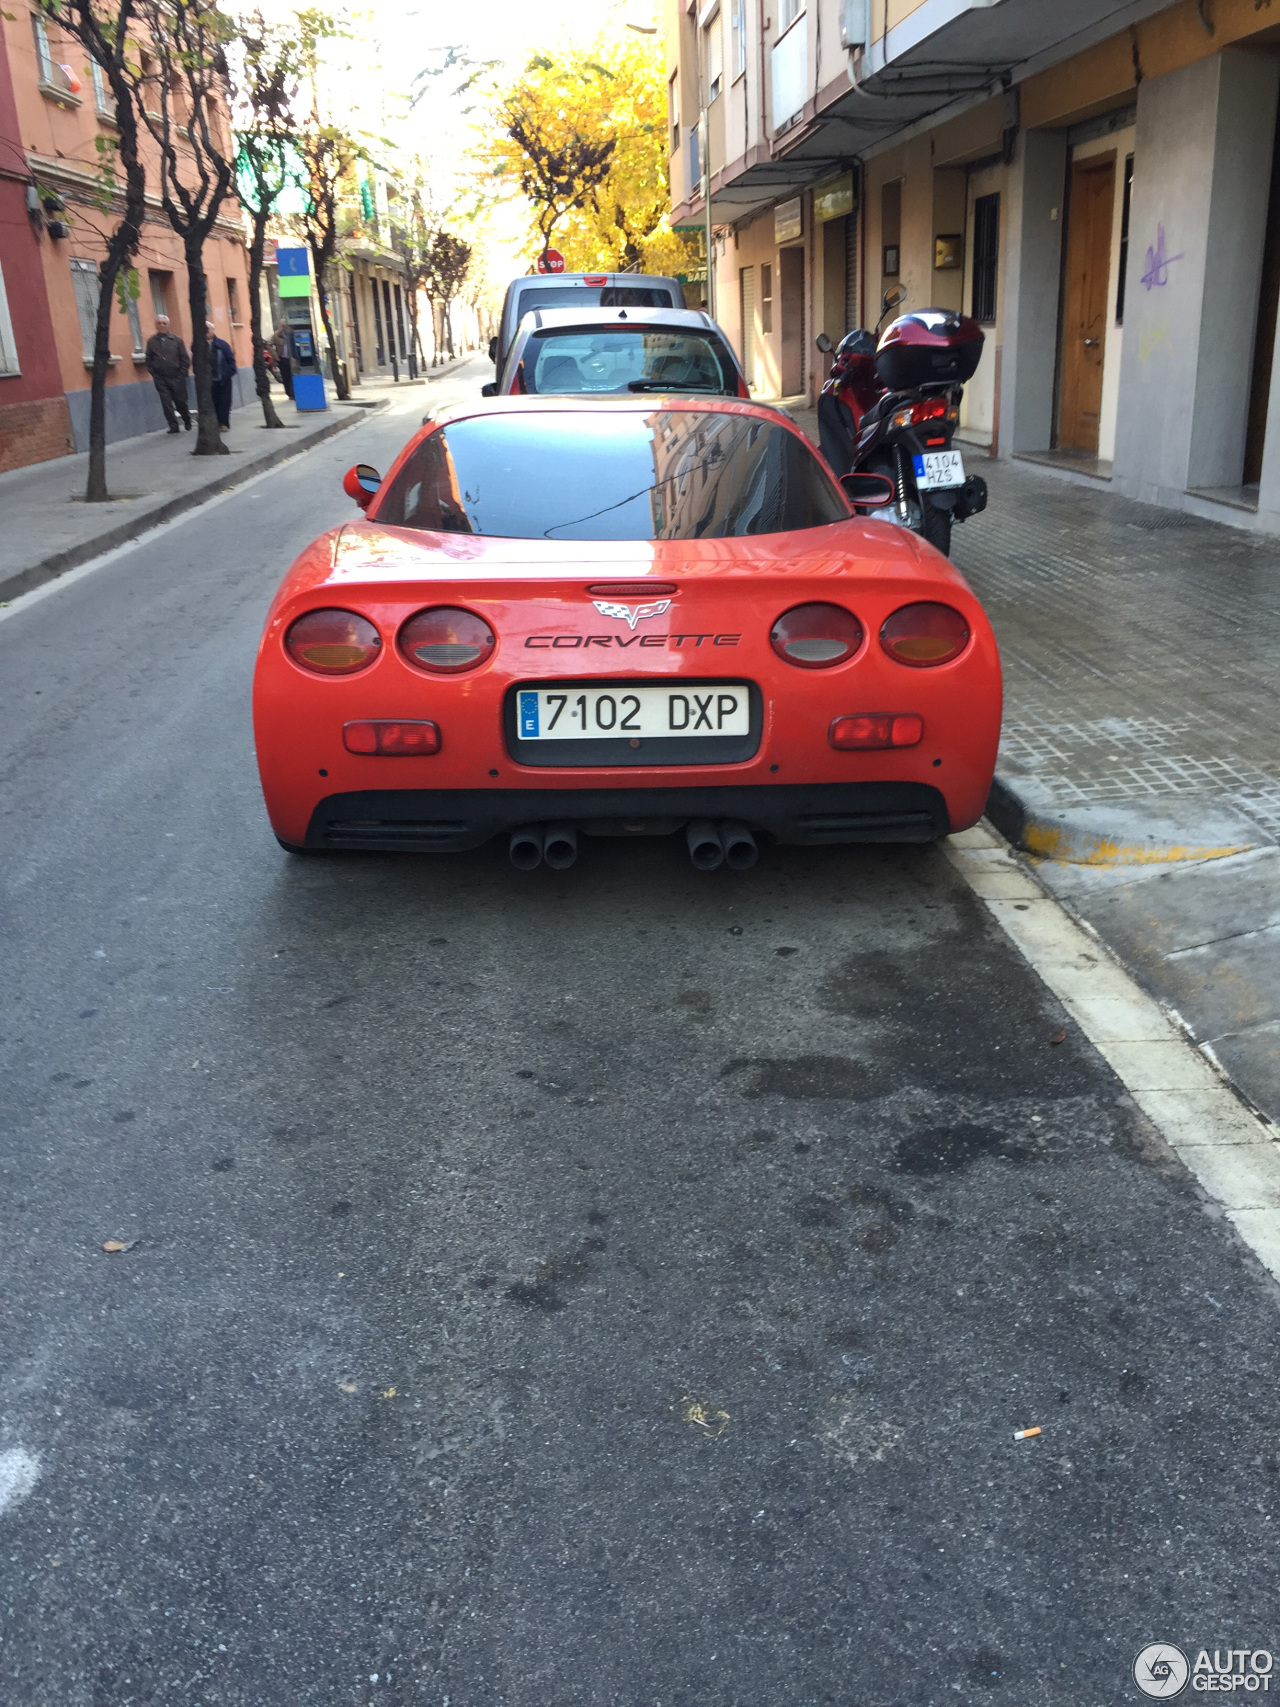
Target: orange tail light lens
[
  {"x": 332, "y": 642},
  {"x": 412, "y": 740},
  {"x": 865, "y": 731},
  {"x": 924, "y": 635},
  {"x": 447, "y": 640},
  {"x": 815, "y": 637}
]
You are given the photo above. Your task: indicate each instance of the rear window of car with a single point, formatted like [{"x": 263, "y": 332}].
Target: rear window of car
[
  {"x": 561, "y": 360},
  {"x": 593, "y": 296},
  {"x": 672, "y": 474}
]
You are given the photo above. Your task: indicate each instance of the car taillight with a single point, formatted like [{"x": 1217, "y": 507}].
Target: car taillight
[
  {"x": 744, "y": 390},
  {"x": 814, "y": 637},
  {"x": 865, "y": 730},
  {"x": 447, "y": 640},
  {"x": 410, "y": 740},
  {"x": 631, "y": 589},
  {"x": 332, "y": 642},
  {"x": 595, "y": 278},
  {"x": 924, "y": 634},
  {"x": 931, "y": 409}
]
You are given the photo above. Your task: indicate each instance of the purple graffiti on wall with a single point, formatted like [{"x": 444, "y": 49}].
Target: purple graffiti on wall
[{"x": 1156, "y": 273}]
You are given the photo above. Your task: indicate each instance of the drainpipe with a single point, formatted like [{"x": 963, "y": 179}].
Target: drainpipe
[{"x": 704, "y": 127}]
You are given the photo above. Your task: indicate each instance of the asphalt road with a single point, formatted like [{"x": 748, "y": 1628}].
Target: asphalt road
[{"x": 615, "y": 1286}]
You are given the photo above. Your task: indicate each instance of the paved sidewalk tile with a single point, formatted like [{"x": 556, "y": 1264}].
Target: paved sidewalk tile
[{"x": 1142, "y": 732}]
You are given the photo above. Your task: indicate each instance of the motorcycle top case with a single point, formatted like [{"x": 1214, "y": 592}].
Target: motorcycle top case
[{"x": 933, "y": 346}]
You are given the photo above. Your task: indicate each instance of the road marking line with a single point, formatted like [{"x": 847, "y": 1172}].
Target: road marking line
[
  {"x": 19, "y": 1473},
  {"x": 1231, "y": 1151}
]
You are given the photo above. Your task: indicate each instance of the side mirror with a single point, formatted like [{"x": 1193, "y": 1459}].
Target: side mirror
[
  {"x": 824, "y": 343},
  {"x": 493, "y": 351},
  {"x": 868, "y": 491},
  {"x": 894, "y": 295},
  {"x": 360, "y": 483},
  {"x": 490, "y": 390}
]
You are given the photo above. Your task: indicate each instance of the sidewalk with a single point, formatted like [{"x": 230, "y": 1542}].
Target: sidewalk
[
  {"x": 48, "y": 528},
  {"x": 1140, "y": 759}
]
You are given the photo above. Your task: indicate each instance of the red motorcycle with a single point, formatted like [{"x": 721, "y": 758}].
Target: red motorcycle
[{"x": 892, "y": 408}]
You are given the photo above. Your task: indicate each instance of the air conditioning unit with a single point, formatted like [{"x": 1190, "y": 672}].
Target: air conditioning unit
[
  {"x": 853, "y": 23},
  {"x": 57, "y": 228}
]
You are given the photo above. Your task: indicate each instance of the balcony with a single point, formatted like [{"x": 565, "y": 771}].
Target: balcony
[{"x": 789, "y": 63}]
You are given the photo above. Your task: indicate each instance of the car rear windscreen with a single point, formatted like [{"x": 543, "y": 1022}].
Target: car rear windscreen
[
  {"x": 564, "y": 360},
  {"x": 671, "y": 474},
  {"x": 594, "y": 296}
]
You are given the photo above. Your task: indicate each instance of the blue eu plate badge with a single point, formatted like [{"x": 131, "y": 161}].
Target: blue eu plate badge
[{"x": 528, "y": 717}]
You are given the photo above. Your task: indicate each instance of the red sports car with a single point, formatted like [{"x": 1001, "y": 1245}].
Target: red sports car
[{"x": 620, "y": 618}]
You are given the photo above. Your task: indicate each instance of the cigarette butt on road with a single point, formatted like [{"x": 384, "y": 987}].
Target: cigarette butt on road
[{"x": 1025, "y": 1433}]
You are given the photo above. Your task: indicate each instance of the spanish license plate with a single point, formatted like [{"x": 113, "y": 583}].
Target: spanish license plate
[
  {"x": 566, "y": 714},
  {"x": 939, "y": 468}
]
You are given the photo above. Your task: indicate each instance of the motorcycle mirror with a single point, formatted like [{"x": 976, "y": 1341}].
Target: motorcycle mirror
[
  {"x": 490, "y": 390},
  {"x": 360, "y": 483},
  {"x": 824, "y": 343},
  {"x": 493, "y": 350},
  {"x": 868, "y": 491}
]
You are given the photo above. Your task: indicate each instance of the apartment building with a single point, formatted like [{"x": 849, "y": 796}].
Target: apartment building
[
  {"x": 1095, "y": 183},
  {"x": 54, "y": 110}
]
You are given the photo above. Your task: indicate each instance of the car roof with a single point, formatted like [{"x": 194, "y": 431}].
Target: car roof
[
  {"x": 552, "y": 319},
  {"x": 542, "y": 281}
]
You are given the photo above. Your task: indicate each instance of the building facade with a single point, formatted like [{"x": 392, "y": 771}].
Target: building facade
[
  {"x": 55, "y": 116},
  {"x": 1097, "y": 184}
]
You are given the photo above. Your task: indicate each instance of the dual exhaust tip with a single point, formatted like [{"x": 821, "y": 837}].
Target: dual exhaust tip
[{"x": 710, "y": 846}]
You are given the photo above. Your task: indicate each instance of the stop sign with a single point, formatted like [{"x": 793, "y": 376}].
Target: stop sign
[{"x": 550, "y": 261}]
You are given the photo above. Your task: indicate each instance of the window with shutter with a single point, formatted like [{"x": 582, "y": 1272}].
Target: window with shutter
[
  {"x": 44, "y": 58},
  {"x": 84, "y": 276},
  {"x": 8, "y": 349}
]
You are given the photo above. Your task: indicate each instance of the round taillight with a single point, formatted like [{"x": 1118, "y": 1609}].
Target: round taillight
[
  {"x": 815, "y": 637},
  {"x": 924, "y": 634},
  {"x": 447, "y": 640},
  {"x": 332, "y": 642}
]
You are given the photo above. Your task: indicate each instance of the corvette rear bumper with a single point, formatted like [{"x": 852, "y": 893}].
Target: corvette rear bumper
[{"x": 801, "y": 814}]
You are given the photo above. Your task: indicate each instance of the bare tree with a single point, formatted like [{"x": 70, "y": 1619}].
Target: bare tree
[
  {"x": 329, "y": 157},
  {"x": 447, "y": 260},
  {"x": 177, "y": 93},
  {"x": 101, "y": 27},
  {"x": 268, "y": 67}
]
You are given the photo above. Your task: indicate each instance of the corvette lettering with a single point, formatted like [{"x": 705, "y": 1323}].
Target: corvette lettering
[{"x": 569, "y": 642}]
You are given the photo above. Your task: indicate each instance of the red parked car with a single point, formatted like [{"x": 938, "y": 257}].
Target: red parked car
[{"x": 620, "y": 618}]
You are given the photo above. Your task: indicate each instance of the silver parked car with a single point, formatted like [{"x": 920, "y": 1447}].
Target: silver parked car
[
  {"x": 616, "y": 351},
  {"x": 578, "y": 290}
]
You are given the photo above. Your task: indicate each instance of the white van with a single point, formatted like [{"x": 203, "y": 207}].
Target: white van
[{"x": 579, "y": 290}]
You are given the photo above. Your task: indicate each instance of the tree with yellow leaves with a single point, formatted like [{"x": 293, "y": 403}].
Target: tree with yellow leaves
[{"x": 584, "y": 136}]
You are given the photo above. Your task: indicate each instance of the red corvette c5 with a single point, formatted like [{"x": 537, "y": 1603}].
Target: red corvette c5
[{"x": 620, "y": 618}]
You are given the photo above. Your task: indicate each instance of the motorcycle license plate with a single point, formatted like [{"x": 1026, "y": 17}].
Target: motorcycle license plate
[{"x": 939, "y": 468}]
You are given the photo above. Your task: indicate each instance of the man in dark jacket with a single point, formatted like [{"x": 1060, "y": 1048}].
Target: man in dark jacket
[
  {"x": 168, "y": 364},
  {"x": 282, "y": 349},
  {"x": 222, "y": 367}
]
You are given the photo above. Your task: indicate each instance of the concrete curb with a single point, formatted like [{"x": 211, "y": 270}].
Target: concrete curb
[
  {"x": 1132, "y": 832},
  {"x": 49, "y": 568}
]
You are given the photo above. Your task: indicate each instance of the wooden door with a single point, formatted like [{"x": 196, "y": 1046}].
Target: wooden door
[{"x": 1086, "y": 303}]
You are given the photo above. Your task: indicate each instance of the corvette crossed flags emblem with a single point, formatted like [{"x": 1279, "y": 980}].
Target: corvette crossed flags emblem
[{"x": 632, "y": 614}]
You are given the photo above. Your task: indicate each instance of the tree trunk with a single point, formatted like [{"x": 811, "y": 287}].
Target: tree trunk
[
  {"x": 95, "y": 491},
  {"x": 339, "y": 371},
  {"x": 261, "y": 379},
  {"x": 123, "y": 245},
  {"x": 208, "y": 439}
]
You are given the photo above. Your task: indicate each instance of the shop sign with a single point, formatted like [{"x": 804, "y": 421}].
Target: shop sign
[
  {"x": 833, "y": 199},
  {"x": 787, "y": 223}
]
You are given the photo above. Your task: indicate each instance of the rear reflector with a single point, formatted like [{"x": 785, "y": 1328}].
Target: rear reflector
[
  {"x": 415, "y": 740},
  {"x": 866, "y": 730}
]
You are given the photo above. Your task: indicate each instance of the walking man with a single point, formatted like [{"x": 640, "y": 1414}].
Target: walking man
[
  {"x": 282, "y": 349},
  {"x": 168, "y": 364},
  {"x": 222, "y": 367}
]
